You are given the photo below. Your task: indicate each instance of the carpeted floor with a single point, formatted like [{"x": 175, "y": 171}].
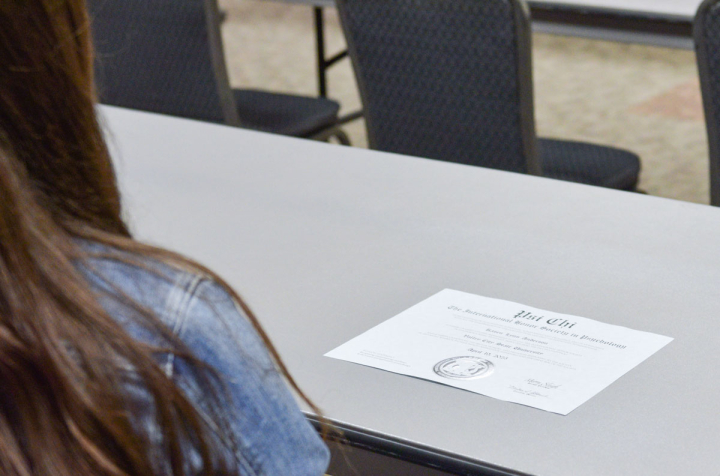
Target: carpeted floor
[{"x": 645, "y": 99}]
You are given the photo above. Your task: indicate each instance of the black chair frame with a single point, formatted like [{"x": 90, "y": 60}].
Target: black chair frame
[
  {"x": 222, "y": 107},
  {"x": 620, "y": 174}
]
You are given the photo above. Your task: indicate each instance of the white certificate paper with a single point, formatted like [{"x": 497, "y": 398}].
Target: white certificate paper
[{"x": 501, "y": 349}]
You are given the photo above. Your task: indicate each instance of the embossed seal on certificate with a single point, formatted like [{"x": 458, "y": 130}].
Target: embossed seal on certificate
[{"x": 464, "y": 368}]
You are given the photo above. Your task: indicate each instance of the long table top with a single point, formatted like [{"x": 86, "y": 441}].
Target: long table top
[
  {"x": 665, "y": 23},
  {"x": 675, "y": 9},
  {"x": 327, "y": 241}
]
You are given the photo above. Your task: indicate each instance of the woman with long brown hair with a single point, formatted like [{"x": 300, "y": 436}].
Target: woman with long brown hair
[{"x": 116, "y": 358}]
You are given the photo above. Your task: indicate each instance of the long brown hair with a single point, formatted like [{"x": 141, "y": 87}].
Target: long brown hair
[{"x": 63, "y": 359}]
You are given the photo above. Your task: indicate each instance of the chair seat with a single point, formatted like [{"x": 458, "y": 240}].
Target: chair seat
[
  {"x": 286, "y": 114},
  {"x": 589, "y": 164}
]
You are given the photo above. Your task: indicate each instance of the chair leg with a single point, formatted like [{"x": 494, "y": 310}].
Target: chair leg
[
  {"x": 328, "y": 134},
  {"x": 342, "y": 137}
]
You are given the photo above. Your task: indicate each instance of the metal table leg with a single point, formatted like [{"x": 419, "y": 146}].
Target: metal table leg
[{"x": 323, "y": 63}]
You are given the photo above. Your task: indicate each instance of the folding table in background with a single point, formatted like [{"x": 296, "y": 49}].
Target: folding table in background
[{"x": 665, "y": 23}]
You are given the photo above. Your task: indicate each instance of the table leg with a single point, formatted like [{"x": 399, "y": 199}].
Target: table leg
[
  {"x": 320, "y": 45},
  {"x": 324, "y": 63}
]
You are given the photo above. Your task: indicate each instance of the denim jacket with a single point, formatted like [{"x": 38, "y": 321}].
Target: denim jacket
[{"x": 271, "y": 434}]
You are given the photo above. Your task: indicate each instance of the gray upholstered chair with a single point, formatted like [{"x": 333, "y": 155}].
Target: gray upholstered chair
[
  {"x": 452, "y": 80},
  {"x": 166, "y": 56},
  {"x": 707, "y": 45}
]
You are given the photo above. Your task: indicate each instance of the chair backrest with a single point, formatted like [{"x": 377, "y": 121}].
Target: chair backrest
[
  {"x": 162, "y": 56},
  {"x": 446, "y": 79},
  {"x": 706, "y": 31}
]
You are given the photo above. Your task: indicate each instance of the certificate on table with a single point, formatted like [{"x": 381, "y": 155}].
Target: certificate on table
[{"x": 501, "y": 349}]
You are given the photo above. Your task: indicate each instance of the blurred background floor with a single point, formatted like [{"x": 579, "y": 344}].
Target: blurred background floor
[{"x": 642, "y": 98}]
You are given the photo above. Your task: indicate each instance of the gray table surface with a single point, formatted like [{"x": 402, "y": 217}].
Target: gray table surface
[{"x": 327, "y": 241}]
